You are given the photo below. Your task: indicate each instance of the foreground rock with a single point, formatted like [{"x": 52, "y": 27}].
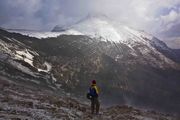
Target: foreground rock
[{"x": 21, "y": 102}]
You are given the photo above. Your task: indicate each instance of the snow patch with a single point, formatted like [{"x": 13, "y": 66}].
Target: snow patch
[
  {"x": 25, "y": 56},
  {"x": 41, "y": 35},
  {"x": 49, "y": 67}
]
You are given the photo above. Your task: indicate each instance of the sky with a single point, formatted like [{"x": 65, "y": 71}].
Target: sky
[{"x": 158, "y": 17}]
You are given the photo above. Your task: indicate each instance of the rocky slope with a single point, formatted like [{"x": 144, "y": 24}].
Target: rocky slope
[
  {"x": 24, "y": 102},
  {"x": 130, "y": 66},
  {"x": 18, "y": 62}
]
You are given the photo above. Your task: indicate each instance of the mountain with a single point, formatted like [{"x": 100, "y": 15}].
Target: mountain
[
  {"x": 130, "y": 66},
  {"x": 105, "y": 29}
]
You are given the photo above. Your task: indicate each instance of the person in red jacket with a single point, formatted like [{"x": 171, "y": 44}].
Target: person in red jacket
[{"x": 94, "y": 93}]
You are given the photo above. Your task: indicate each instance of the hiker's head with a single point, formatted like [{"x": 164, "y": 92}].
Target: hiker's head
[{"x": 93, "y": 81}]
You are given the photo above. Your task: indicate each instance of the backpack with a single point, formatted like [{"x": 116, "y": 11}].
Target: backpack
[
  {"x": 88, "y": 95},
  {"x": 93, "y": 92}
]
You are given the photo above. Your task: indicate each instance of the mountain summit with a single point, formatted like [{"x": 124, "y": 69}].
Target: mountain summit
[{"x": 102, "y": 26}]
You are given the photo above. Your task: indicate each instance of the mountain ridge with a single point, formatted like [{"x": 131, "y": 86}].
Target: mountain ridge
[
  {"x": 141, "y": 73},
  {"x": 106, "y": 30}
]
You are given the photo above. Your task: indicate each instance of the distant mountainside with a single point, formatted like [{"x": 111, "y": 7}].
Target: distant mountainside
[
  {"x": 105, "y": 29},
  {"x": 130, "y": 66}
]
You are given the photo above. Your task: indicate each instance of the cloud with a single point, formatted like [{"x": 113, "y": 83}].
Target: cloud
[
  {"x": 171, "y": 17},
  {"x": 173, "y": 42},
  {"x": 20, "y": 13},
  {"x": 154, "y": 16},
  {"x": 170, "y": 20}
]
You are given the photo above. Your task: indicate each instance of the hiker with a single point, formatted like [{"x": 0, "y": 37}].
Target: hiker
[{"x": 93, "y": 96}]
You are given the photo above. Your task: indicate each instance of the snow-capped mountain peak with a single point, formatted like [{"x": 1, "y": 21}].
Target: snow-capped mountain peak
[
  {"x": 101, "y": 26},
  {"x": 95, "y": 26}
]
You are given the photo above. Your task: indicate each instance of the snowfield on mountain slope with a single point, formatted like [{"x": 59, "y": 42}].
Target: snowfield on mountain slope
[
  {"x": 105, "y": 28},
  {"x": 93, "y": 27},
  {"x": 41, "y": 35}
]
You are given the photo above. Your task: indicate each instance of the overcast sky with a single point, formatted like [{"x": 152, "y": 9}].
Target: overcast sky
[{"x": 159, "y": 17}]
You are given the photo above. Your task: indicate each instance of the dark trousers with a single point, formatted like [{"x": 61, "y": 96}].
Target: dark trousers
[{"x": 95, "y": 105}]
